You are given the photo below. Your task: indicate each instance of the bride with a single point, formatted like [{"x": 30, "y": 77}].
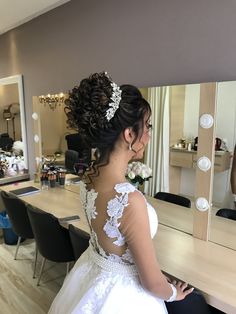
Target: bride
[{"x": 119, "y": 272}]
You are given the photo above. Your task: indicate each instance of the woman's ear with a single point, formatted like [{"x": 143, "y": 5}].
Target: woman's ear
[{"x": 128, "y": 135}]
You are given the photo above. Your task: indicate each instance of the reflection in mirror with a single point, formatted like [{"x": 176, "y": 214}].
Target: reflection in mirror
[
  {"x": 223, "y": 230},
  {"x": 171, "y": 152},
  {"x": 56, "y": 142},
  {"x": 53, "y": 127},
  {"x": 13, "y": 144}
]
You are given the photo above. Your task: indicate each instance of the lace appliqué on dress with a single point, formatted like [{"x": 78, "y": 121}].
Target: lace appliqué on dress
[{"x": 115, "y": 208}]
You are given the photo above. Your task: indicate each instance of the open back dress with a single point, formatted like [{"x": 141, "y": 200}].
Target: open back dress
[{"x": 101, "y": 281}]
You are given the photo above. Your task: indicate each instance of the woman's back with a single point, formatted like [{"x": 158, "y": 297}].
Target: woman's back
[{"x": 104, "y": 211}]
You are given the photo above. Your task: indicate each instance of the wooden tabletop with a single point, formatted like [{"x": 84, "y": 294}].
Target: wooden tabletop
[
  {"x": 209, "y": 267},
  {"x": 222, "y": 230},
  {"x": 58, "y": 201}
]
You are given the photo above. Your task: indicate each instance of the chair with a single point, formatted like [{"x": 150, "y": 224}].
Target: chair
[
  {"x": 76, "y": 142},
  {"x": 71, "y": 158},
  {"x": 227, "y": 213},
  {"x": 173, "y": 198},
  {"x": 194, "y": 303},
  {"x": 52, "y": 239},
  {"x": 79, "y": 240},
  {"x": 17, "y": 212},
  {"x": 6, "y": 142}
]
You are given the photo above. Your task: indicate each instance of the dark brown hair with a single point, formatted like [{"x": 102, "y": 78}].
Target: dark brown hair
[{"x": 86, "y": 110}]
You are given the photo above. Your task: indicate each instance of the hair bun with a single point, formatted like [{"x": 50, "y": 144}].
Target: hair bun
[{"x": 87, "y": 105}]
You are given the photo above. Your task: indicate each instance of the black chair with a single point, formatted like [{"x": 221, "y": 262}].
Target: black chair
[
  {"x": 71, "y": 158},
  {"x": 79, "y": 240},
  {"x": 194, "y": 303},
  {"x": 173, "y": 198},
  {"x": 52, "y": 239},
  {"x": 6, "y": 142},
  {"x": 227, "y": 213},
  {"x": 76, "y": 142},
  {"x": 17, "y": 212}
]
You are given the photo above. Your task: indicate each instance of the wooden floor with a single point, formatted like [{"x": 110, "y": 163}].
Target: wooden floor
[{"x": 18, "y": 290}]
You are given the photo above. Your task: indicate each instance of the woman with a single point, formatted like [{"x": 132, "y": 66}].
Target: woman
[{"x": 119, "y": 272}]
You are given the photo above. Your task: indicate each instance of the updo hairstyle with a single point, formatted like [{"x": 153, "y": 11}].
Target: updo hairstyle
[{"x": 86, "y": 110}]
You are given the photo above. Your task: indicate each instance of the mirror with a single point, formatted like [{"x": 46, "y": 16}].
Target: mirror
[
  {"x": 12, "y": 113},
  {"x": 182, "y": 167},
  {"x": 223, "y": 229},
  {"x": 182, "y": 130},
  {"x": 170, "y": 153},
  {"x": 50, "y": 141}
]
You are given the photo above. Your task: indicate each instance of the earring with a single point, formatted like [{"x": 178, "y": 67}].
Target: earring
[{"x": 130, "y": 146}]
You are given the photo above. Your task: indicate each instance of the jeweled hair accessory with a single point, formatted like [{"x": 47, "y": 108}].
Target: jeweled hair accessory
[{"x": 116, "y": 98}]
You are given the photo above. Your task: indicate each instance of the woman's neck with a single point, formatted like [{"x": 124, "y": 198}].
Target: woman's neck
[{"x": 114, "y": 172}]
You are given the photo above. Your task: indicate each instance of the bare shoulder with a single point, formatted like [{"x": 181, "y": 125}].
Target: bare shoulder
[
  {"x": 136, "y": 199},
  {"x": 137, "y": 206}
]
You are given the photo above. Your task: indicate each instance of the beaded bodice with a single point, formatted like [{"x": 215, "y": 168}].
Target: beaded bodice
[{"x": 115, "y": 209}]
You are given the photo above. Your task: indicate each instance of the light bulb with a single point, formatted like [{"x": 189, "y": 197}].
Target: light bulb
[
  {"x": 204, "y": 163},
  {"x": 202, "y": 204},
  {"x": 206, "y": 121}
]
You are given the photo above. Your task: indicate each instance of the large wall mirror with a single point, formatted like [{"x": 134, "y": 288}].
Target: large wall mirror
[
  {"x": 177, "y": 142},
  {"x": 172, "y": 152},
  {"x": 12, "y": 116},
  {"x": 175, "y": 111}
]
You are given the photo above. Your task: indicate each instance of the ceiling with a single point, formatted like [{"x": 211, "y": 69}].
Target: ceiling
[{"x": 16, "y": 12}]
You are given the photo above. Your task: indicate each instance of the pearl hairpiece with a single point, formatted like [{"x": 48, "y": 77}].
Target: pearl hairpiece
[{"x": 116, "y": 98}]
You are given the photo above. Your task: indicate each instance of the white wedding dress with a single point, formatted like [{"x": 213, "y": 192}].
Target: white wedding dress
[{"x": 107, "y": 283}]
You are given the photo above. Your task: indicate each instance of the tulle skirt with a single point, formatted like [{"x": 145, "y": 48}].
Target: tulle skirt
[{"x": 97, "y": 285}]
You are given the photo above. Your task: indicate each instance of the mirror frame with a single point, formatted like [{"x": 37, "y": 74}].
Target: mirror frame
[{"x": 19, "y": 80}]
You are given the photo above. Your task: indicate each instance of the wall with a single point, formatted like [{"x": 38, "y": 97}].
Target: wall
[{"x": 146, "y": 43}]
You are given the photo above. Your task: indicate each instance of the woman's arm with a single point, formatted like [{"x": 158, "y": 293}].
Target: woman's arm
[{"x": 136, "y": 229}]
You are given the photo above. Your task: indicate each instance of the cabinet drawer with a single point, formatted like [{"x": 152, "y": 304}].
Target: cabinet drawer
[
  {"x": 181, "y": 159},
  {"x": 222, "y": 162}
]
